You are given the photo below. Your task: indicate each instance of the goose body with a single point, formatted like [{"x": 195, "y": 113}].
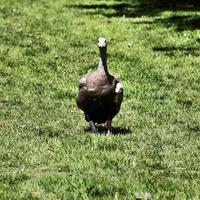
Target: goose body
[{"x": 100, "y": 94}]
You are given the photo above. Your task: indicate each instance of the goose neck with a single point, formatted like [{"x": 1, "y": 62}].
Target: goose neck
[{"x": 103, "y": 60}]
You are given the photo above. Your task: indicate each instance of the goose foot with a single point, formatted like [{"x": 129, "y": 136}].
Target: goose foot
[
  {"x": 109, "y": 127},
  {"x": 93, "y": 127}
]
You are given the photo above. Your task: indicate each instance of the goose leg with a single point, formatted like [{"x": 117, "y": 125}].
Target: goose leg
[
  {"x": 109, "y": 126},
  {"x": 93, "y": 127}
]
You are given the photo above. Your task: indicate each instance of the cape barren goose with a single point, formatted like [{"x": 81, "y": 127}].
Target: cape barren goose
[{"x": 100, "y": 94}]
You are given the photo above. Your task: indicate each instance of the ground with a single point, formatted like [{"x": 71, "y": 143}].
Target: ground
[{"x": 47, "y": 150}]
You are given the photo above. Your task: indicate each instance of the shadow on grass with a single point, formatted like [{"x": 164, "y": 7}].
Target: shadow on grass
[
  {"x": 181, "y": 23},
  {"x": 115, "y": 131},
  {"x": 171, "y": 50},
  {"x": 130, "y": 9},
  {"x": 148, "y": 8}
]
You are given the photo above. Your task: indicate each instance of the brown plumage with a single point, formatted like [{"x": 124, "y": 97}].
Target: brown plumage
[{"x": 100, "y": 94}]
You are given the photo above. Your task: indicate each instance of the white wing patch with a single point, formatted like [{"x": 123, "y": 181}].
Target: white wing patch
[
  {"x": 83, "y": 80},
  {"x": 118, "y": 88}
]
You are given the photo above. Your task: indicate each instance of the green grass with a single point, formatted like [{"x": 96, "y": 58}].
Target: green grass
[{"x": 47, "y": 151}]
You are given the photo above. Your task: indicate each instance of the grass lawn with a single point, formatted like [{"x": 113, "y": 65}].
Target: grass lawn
[{"x": 47, "y": 150}]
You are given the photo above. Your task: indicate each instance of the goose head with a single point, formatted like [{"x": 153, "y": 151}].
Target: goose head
[{"x": 102, "y": 43}]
